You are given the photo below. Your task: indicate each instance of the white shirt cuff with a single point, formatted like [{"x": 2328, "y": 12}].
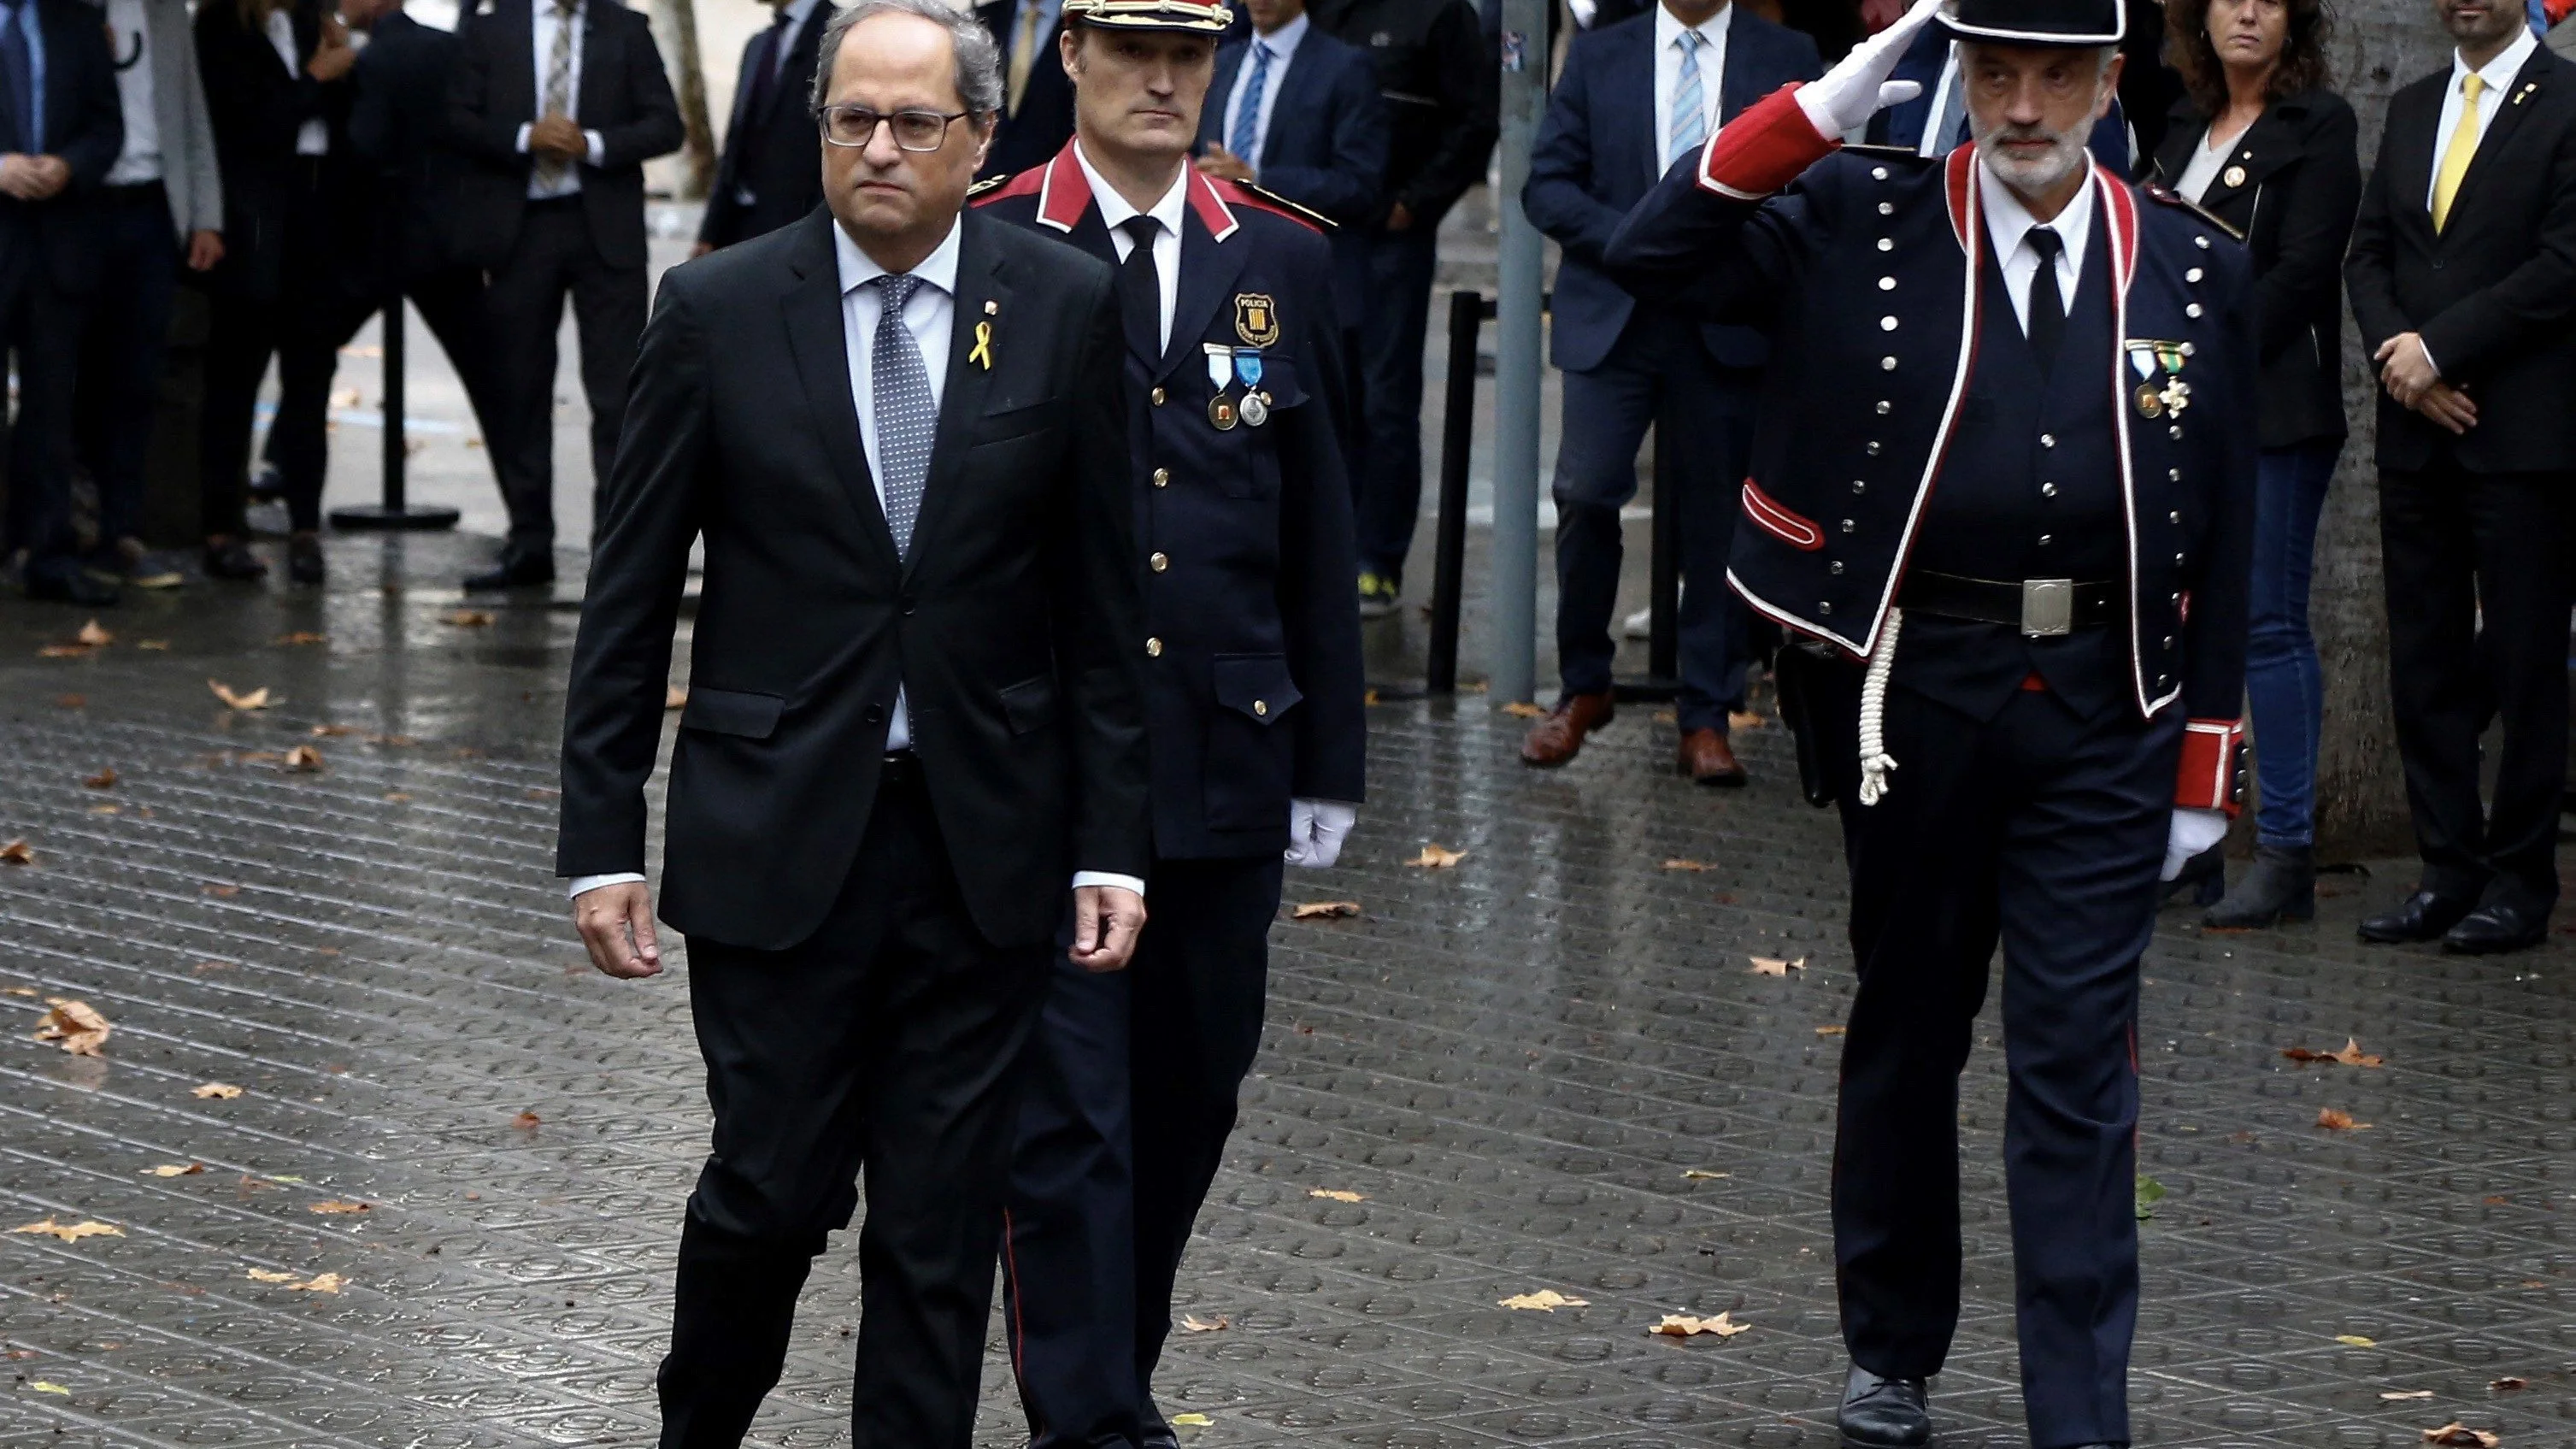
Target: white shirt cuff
[
  {"x": 1083, "y": 878},
  {"x": 522, "y": 143},
  {"x": 598, "y": 148},
  {"x": 583, "y": 885},
  {"x": 2428, "y": 357}
]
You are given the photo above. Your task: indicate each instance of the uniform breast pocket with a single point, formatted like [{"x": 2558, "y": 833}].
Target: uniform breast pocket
[
  {"x": 1273, "y": 398},
  {"x": 1250, "y": 758}
]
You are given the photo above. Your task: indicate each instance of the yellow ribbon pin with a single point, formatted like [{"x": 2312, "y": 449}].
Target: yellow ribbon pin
[{"x": 983, "y": 352}]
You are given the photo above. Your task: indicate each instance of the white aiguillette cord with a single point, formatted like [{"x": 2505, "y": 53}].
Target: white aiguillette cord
[{"x": 1875, "y": 761}]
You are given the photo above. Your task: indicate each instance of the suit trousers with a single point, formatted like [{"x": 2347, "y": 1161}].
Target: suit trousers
[
  {"x": 2478, "y": 580},
  {"x": 555, "y": 257},
  {"x": 300, "y": 326},
  {"x": 40, "y": 327},
  {"x": 2046, "y": 832},
  {"x": 123, "y": 348},
  {"x": 885, "y": 1043},
  {"x": 1657, "y": 375},
  {"x": 1131, "y": 1085},
  {"x": 1386, "y": 489},
  {"x": 450, "y": 303}
]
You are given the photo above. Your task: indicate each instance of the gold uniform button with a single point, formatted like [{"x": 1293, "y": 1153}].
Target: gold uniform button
[
  {"x": 1261, "y": 706},
  {"x": 1158, "y": 397},
  {"x": 1162, "y": 477},
  {"x": 1153, "y": 648},
  {"x": 1160, "y": 562}
]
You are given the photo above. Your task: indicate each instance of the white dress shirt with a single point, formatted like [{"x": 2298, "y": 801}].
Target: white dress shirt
[
  {"x": 2008, "y": 227},
  {"x": 1115, "y": 212},
  {"x": 1283, "y": 49},
  {"x": 539, "y": 189},
  {"x": 2498, "y": 75},
  {"x": 1668, "y": 76},
  {"x": 313, "y": 138}
]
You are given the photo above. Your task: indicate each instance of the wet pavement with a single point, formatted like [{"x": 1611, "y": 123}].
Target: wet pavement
[{"x": 1549, "y": 1067}]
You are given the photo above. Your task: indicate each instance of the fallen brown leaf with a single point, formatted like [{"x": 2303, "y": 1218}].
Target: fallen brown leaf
[
  {"x": 1335, "y": 1194},
  {"x": 17, "y": 990},
  {"x": 107, "y": 810},
  {"x": 2458, "y": 1433},
  {"x": 1523, "y": 709},
  {"x": 75, "y": 1026},
  {"x": 2351, "y": 1056},
  {"x": 152, "y": 644},
  {"x": 1677, "y": 1325},
  {"x": 1191, "y": 1421},
  {"x": 1190, "y": 1323},
  {"x": 214, "y": 1091},
  {"x": 328, "y": 731},
  {"x": 256, "y": 699},
  {"x": 1701, "y": 1174},
  {"x": 300, "y": 636},
  {"x": 304, "y": 760},
  {"x": 397, "y": 797},
  {"x": 1678, "y": 863},
  {"x": 2336, "y": 1120},
  {"x": 71, "y": 1232},
  {"x": 177, "y": 1169},
  {"x": 225, "y": 892},
  {"x": 675, "y": 697},
  {"x": 2355, "y": 1340},
  {"x": 104, "y": 780},
  {"x": 318, "y": 1283},
  {"x": 2399, "y": 1398},
  {"x": 17, "y": 852},
  {"x": 71, "y": 701},
  {"x": 526, "y": 1121},
  {"x": 63, "y": 651},
  {"x": 1774, "y": 966},
  {"x": 2507, "y": 1385},
  {"x": 469, "y": 618},
  {"x": 1832, "y": 1030},
  {"x": 1545, "y": 1300},
  {"x": 94, "y": 636},
  {"x": 1324, "y": 910},
  {"x": 336, "y": 1207},
  {"x": 263, "y": 1275},
  {"x": 1437, "y": 857}
]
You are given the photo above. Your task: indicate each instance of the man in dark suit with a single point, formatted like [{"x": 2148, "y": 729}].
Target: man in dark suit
[
  {"x": 1037, "y": 110},
  {"x": 557, "y": 106},
  {"x": 1254, "y": 704},
  {"x": 915, "y": 714},
  {"x": 1932, "y": 62},
  {"x": 770, "y": 173},
  {"x": 2463, "y": 279},
  {"x": 1632, "y": 98},
  {"x": 2002, "y": 491},
  {"x": 56, "y": 145}
]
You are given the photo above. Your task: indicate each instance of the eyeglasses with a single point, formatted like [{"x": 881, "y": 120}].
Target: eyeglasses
[{"x": 913, "y": 130}]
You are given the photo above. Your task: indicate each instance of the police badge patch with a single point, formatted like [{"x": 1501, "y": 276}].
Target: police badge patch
[{"x": 1256, "y": 319}]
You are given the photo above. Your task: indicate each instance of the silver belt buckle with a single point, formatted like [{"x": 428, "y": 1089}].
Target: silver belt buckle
[{"x": 2047, "y": 608}]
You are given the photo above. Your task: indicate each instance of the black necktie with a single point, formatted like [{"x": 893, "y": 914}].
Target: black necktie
[
  {"x": 1140, "y": 288},
  {"x": 764, "y": 76},
  {"x": 2047, "y": 306}
]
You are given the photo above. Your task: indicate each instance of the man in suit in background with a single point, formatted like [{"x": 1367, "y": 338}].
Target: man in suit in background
[
  {"x": 557, "y": 106},
  {"x": 2463, "y": 278},
  {"x": 915, "y": 714},
  {"x": 1037, "y": 104},
  {"x": 1254, "y": 702},
  {"x": 60, "y": 130},
  {"x": 770, "y": 173},
  {"x": 1632, "y": 97},
  {"x": 1935, "y": 121}
]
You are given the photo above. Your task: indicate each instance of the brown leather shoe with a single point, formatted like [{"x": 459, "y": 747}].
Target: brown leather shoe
[
  {"x": 1708, "y": 760},
  {"x": 1559, "y": 737}
]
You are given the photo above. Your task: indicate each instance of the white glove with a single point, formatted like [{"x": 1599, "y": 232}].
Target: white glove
[
  {"x": 1857, "y": 88},
  {"x": 2192, "y": 832},
  {"x": 1315, "y": 832}
]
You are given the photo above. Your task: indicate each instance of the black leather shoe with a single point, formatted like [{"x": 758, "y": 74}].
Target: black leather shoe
[
  {"x": 515, "y": 571},
  {"x": 2497, "y": 926},
  {"x": 2423, "y": 917},
  {"x": 304, "y": 559},
  {"x": 1882, "y": 1413},
  {"x": 66, "y": 582},
  {"x": 233, "y": 560}
]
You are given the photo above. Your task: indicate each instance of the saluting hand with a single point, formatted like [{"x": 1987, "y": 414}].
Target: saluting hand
[
  {"x": 616, "y": 924},
  {"x": 1857, "y": 88}
]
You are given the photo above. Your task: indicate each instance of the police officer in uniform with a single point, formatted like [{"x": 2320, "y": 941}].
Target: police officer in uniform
[
  {"x": 2004, "y": 479},
  {"x": 1254, "y": 703}
]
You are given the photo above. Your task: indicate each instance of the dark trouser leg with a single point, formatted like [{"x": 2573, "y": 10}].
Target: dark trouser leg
[
  {"x": 1923, "y": 926},
  {"x": 2519, "y": 526},
  {"x": 1069, "y": 1250},
  {"x": 2284, "y": 684},
  {"x": 1389, "y": 485},
  {"x": 2436, "y": 688},
  {"x": 127, "y": 338},
  {"x": 888, "y": 1040},
  {"x": 608, "y": 303},
  {"x": 1199, "y": 977},
  {"x": 240, "y": 334},
  {"x": 1606, "y": 414},
  {"x": 312, "y": 312},
  {"x": 452, "y": 305},
  {"x": 1711, "y": 417},
  {"x": 2077, "y": 884},
  {"x": 44, "y": 335},
  {"x": 523, "y": 308}
]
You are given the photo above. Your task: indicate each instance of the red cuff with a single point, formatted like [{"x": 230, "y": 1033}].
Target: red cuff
[
  {"x": 2213, "y": 769},
  {"x": 1764, "y": 149}
]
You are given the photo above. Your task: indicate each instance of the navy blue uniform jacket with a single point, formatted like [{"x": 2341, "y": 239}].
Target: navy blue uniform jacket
[
  {"x": 1326, "y": 147},
  {"x": 1864, "y": 268},
  {"x": 1254, "y": 694},
  {"x": 1595, "y": 158}
]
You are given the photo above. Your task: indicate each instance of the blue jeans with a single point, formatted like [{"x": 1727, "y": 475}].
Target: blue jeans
[{"x": 2283, "y": 682}]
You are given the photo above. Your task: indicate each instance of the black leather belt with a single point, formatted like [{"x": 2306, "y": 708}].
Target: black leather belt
[{"x": 2040, "y": 608}]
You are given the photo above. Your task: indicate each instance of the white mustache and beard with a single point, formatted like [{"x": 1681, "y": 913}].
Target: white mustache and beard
[{"x": 2031, "y": 174}]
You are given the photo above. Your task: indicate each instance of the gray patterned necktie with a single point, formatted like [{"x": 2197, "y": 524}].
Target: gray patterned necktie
[
  {"x": 906, "y": 417},
  {"x": 557, "y": 101}
]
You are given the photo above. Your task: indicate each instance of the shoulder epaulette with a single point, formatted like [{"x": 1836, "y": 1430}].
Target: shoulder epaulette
[
  {"x": 1000, "y": 188},
  {"x": 1273, "y": 202},
  {"x": 1891, "y": 153},
  {"x": 987, "y": 184},
  {"x": 2166, "y": 195}
]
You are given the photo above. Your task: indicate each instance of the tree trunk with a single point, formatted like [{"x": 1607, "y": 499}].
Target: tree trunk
[
  {"x": 2361, "y": 801},
  {"x": 678, "y": 20}
]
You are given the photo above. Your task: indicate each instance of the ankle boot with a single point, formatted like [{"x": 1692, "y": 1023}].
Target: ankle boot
[{"x": 2281, "y": 885}]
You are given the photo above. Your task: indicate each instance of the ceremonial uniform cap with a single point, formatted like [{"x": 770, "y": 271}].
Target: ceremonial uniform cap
[
  {"x": 1191, "y": 17},
  {"x": 2032, "y": 22}
]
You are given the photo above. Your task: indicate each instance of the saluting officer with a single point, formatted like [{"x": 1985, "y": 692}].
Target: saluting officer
[
  {"x": 1254, "y": 702},
  {"x": 2004, "y": 476}
]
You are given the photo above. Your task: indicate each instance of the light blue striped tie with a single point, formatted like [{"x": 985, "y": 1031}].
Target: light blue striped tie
[
  {"x": 1247, "y": 119},
  {"x": 1690, "y": 112}
]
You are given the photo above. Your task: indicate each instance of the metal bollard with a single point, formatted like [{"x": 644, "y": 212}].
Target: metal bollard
[{"x": 394, "y": 514}]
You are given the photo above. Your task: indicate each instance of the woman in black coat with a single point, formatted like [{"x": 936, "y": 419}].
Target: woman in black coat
[
  {"x": 276, "y": 90},
  {"x": 2261, "y": 143}
]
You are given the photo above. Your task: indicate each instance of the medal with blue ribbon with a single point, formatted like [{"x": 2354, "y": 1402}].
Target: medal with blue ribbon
[{"x": 1256, "y": 404}]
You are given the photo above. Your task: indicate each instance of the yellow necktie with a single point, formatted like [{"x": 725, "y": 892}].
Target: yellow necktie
[
  {"x": 1023, "y": 53},
  {"x": 2462, "y": 149}
]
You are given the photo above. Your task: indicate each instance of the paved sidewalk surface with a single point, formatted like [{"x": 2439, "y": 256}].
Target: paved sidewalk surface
[{"x": 1549, "y": 1067}]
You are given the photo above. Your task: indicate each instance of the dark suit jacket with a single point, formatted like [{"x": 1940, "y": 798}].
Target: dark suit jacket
[
  {"x": 2290, "y": 185},
  {"x": 1437, "y": 72},
  {"x": 257, "y": 108},
  {"x": 1326, "y": 147},
  {"x": 1014, "y": 628},
  {"x": 2493, "y": 292},
  {"x": 1595, "y": 158},
  {"x": 1045, "y": 119},
  {"x": 625, "y": 96},
  {"x": 777, "y": 154},
  {"x": 84, "y": 125},
  {"x": 398, "y": 128},
  {"x": 1902, "y": 124}
]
